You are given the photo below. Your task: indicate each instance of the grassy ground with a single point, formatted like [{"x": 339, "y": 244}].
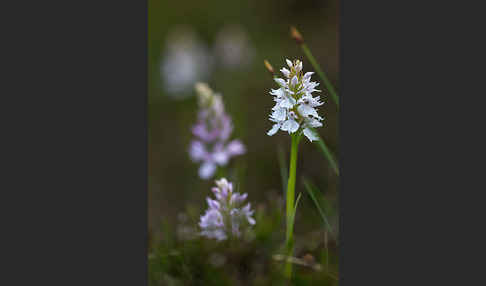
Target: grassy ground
[{"x": 183, "y": 258}]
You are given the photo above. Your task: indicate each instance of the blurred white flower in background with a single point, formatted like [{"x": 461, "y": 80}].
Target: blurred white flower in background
[
  {"x": 185, "y": 61},
  {"x": 233, "y": 47}
]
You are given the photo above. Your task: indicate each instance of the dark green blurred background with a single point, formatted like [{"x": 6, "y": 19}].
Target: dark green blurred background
[
  {"x": 174, "y": 187},
  {"x": 173, "y": 180}
]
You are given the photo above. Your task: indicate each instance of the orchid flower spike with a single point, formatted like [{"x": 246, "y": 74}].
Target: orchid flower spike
[
  {"x": 226, "y": 216},
  {"x": 295, "y": 107},
  {"x": 211, "y": 145}
]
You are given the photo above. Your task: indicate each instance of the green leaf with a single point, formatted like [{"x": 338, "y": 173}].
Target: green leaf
[
  {"x": 311, "y": 189},
  {"x": 321, "y": 74},
  {"x": 292, "y": 216},
  {"x": 325, "y": 151}
]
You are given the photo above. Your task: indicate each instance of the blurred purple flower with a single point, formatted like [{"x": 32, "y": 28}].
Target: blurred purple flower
[
  {"x": 225, "y": 216},
  {"x": 212, "y": 132}
]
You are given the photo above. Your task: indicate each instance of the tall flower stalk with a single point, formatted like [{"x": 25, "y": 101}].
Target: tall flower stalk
[
  {"x": 295, "y": 111},
  {"x": 290, "y": 205}
]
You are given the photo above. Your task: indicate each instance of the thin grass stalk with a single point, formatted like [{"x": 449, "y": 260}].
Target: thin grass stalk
[
  {"x": 295, "y": 34},
  {"x": 310, "y": 190},
  {"x": 320, "y": 73},
  {"x": 326, "y": 152}
]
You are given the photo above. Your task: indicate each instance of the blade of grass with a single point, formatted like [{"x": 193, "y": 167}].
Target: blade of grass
[
  {"x": 295, "y": 34},
  {"x": 326, "y": 152},
  {"x": 323, "y": 147},
  {"x": 321, "y": 74},
  {"x": 310, "y": 190},
  {"x": 292, "y": 217}
]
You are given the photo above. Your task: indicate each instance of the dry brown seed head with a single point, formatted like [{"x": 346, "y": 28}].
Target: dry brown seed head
[
  {"x": 294, "y": 33},
  {"x": 268, "y": 66}
]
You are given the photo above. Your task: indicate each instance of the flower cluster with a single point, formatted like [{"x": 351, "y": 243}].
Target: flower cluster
[
  {"x": 295, "y": 106},
  {"x": 212, "y": 132},
  {"x": 225, "y": 216}
]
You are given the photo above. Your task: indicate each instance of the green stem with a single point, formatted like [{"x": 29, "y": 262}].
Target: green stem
[
  {"x": 291, "y": 183},
  {"x": 321, "y": 74},
  {"x": 220, "y": 172},
  {"x": 290, "y": 201}
]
